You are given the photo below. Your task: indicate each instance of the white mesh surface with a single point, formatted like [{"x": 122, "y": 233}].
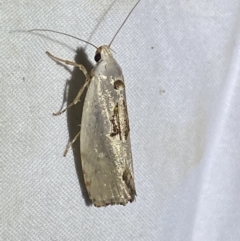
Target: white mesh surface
[{"x": 181, "y": 61}]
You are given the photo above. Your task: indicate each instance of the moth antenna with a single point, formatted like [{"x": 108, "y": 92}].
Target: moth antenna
[
  {"x": 123, "y": 22},
  {"x": 53, "y": 31}
]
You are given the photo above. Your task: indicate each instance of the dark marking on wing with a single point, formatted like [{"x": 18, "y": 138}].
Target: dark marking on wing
[
  {"x": 128, "y": 179},
  {"x": 119, "y": 85},
  {"x": 119, "y": 120},
  {"x": 124, "y": 122},
  {"x": 88, "y": 183},
  {"x": 115, "y": 122}
]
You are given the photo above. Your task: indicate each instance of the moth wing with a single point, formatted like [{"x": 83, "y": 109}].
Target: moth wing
[{"x": 105, "y": 144}]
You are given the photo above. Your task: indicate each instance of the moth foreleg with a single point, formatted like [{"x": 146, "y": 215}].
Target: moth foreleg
[
  {"x": 67, "y": 62},
  {"x": 70, "y": 143}
]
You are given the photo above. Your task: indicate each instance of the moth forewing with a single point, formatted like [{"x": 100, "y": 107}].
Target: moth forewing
[{"x": 105, "y": 139}]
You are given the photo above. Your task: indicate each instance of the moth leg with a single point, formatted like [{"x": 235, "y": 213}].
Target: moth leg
[
  {"x": 76, "y": 99},
  {"x": 70, "y": 143},
  {"x": 67, "y": 62}
]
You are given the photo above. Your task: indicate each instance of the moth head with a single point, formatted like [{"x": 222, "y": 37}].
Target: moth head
[{"x": 103, "y": 52}]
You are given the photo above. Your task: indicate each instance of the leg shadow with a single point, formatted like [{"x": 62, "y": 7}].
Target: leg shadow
[{"x": 74, "y": 114}]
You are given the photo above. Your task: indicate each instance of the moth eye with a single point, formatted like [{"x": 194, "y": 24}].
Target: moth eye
[{"x": 97, "y": 57}]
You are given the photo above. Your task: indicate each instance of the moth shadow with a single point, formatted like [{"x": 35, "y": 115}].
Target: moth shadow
[{"x": 74, "y": 114}]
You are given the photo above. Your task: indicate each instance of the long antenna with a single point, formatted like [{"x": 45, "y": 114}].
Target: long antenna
[
  {"x": 123, "y": 23},
  {"x": 53, "y": 31},
  {"x": 69, "y": 35}
]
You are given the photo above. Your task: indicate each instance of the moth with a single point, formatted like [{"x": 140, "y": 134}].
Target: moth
[{"x": 105, "y": 134}]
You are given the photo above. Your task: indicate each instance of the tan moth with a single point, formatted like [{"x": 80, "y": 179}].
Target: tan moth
[{"x": 104, "y": 136}]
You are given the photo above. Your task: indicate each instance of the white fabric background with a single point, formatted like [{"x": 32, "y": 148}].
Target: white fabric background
[{"x": 181, "y": 61}]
